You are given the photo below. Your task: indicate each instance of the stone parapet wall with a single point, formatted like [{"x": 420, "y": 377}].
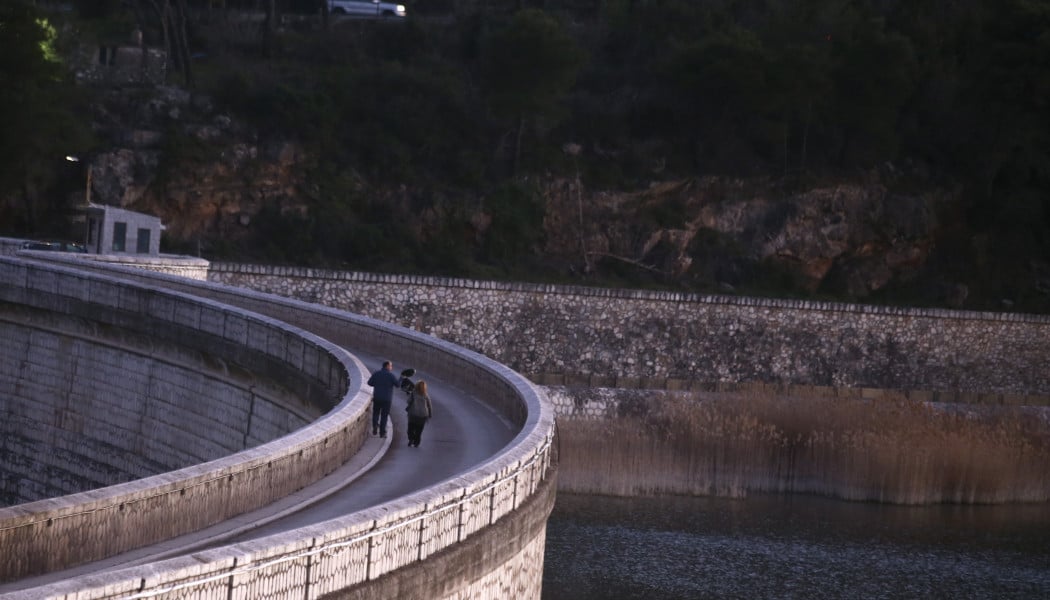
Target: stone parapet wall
[
  {"x": 351, "y": 556},
  {"x": 638, "y": 337},
  {"x": 172, "y": 264},
  {"x": 10, "y": 245},
  {"x": 55, "y": 533},
  {"x": 515, "y": 544},
  {"x": 576, "y": 399},
  {"x": 183, "y": 266}
]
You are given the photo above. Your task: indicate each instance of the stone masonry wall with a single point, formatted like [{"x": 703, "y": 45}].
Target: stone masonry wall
[{"x": 629, "y": 338}]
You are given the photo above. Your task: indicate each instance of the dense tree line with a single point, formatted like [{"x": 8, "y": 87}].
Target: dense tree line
[
  {"x": 919, "y": 93},
  {"x": 41, "y": 121}
]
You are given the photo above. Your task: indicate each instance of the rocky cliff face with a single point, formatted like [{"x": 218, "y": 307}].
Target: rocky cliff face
[
  {"x": 206, "y": 176},
  {"x": 202, "y": 173},
  {"x": 858, "y": 238}
]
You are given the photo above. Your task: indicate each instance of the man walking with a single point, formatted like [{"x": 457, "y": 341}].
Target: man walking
[{"x": 383, "y": 383}]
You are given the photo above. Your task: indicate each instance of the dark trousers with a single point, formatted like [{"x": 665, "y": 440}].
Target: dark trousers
[
  {"x": 380, "y": 413},
  {"x": 415, "y": 429}
]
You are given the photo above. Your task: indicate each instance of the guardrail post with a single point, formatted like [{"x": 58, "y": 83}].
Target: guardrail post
[
  {"x": 517, "y": 475},
  {"x": 233, "y": 576},
  {"x": 422, "y": 527},
  {"x": 492, "y": 504},
  {"x": 309, "y": 568},
  {"x": 462, "y": 509},
  {"x": 368, "y": 559},
  {"x": 532, "y": 475}
]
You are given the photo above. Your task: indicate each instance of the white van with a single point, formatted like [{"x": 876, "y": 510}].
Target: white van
[{"x": 374, "y": 9}]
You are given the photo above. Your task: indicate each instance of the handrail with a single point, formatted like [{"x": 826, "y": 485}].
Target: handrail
[
  {"x": 313, "y": 551},
  {"x": 342, "y": 554}
]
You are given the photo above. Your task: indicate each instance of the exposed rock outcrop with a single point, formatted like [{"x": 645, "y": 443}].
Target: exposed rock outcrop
[
  {"x": 853, "y": 237},
  {"x": 207, "y": 177},
  {"x": 201, "y": 172}
]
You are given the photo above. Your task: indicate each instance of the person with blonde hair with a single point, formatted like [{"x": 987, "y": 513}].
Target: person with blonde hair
[{"x": 419, "y": 412}]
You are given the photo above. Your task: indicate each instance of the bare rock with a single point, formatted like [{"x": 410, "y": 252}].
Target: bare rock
[
  {"x": 856, "y": 238},
  {"x": 121, "y": 177}
]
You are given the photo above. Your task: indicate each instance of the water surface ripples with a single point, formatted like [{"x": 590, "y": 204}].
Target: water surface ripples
[{"x": 793, "y": 547}]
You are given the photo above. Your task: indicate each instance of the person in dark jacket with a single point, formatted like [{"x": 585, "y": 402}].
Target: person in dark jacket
[
  {"x": 383, "y": 383},
  {"x": 419, "y": 411}
]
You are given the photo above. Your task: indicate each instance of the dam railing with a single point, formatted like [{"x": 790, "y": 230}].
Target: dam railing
[{"x": 360, "y": 547}]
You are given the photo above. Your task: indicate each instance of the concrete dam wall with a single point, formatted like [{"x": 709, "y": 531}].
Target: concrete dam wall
[
  {"x": 477, "y": 535},
  {"x": 106, "y": 383},
  {"x": 85, "y": 405}
]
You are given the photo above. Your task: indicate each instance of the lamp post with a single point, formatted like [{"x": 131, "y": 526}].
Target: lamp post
[
  {"x": 87, "y": 200},
  {"x": 87, "y": 185}
]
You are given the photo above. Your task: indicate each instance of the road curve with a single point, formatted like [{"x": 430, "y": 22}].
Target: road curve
[{"x": 463, "y": 433}]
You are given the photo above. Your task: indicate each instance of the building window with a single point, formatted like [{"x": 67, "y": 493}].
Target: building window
[
  {"x": 142, "y": 245},
  {"x": 120, "y": 235}
]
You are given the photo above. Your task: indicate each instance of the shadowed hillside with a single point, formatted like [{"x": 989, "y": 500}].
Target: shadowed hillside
[{"x": 890, "y": 152}]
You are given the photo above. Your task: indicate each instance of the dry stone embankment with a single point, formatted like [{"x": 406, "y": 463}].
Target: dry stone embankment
[{"x": 630, "y": 339}]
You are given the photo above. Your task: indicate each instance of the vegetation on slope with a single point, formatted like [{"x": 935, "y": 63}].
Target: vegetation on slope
[{"x": 469, "y": 106}]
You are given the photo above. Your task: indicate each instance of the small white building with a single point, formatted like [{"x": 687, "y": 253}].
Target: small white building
[{"x": 112, "y": 230}]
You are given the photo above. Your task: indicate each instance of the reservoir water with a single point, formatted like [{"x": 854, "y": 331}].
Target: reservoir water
[{"x": 793, "y": 547}]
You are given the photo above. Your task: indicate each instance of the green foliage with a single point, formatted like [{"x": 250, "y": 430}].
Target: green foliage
[
  {"x": 97, "y": 9},
  {"x": 527, "y": 68},
  {"x": 516, "y": 231},
  {"x": 406, "y": 123},
  {"x": 38, "y": 116},
  {"x": 388, "y": 118},
  {"x": 806, "y": 90},
  {"x": 445, "y": 252},
  {"x": 1009, "y": 91},
  {"x": 281, "y": 237},
  {"x": 952, "y": 95},
  {"x": 721, "y": 84},
  {"x": 107, "y": 21},
  {"x": 528, "y": 65},
  {"x": 283, "y": 96},
  {"x": 875, "y": 74},
  {"x": 27, "y": 41}
]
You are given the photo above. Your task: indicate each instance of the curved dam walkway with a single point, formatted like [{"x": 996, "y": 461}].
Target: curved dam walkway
[
  {"x": 463, "y": 433},
  {"x": 461, "y": 516}
]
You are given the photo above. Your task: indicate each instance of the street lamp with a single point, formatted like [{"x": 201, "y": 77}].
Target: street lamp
[
  {"x": 87, "y": 186},
  {"x": 88, "y": 225}
]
